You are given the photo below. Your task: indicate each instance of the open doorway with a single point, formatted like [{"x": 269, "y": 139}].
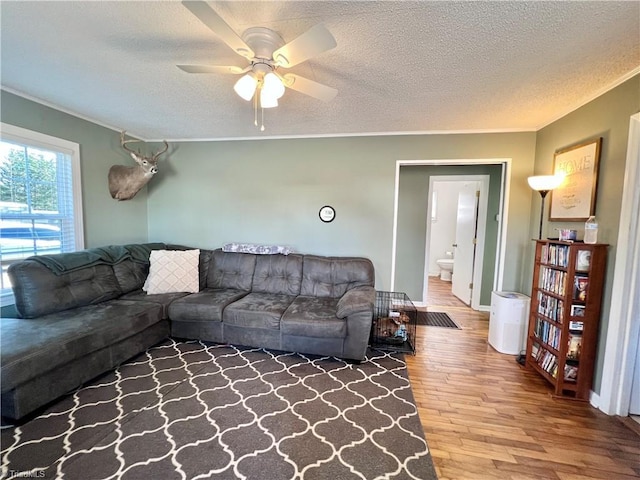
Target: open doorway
[
  {"x": 410, "y": 252},
  {"x": 455, "y": 238}
]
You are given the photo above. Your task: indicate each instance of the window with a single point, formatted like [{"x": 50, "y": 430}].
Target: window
[{"x": 40, "y": 198}]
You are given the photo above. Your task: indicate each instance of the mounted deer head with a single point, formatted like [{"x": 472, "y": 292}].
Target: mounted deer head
[{"x": 125, "y": 182}]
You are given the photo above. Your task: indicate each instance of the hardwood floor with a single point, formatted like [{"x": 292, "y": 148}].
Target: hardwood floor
[{"x": 486, "y": 417}]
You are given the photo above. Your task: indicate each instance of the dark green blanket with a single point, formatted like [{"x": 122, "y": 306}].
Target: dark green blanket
[{"x": 110, "y": 255}]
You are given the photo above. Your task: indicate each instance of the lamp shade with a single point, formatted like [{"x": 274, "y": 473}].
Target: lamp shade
[
  {"x": 272, "y": 85},
  {"x": 266, "y": 100},
  {"x": 545, "y": 182},
  {"x": 246, "y": 86}
]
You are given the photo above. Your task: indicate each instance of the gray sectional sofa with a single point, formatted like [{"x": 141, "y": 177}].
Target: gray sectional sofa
[{"x": 83, "y": 313}]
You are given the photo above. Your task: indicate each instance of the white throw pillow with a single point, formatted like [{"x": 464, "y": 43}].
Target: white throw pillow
[{"x": 173, "y": 271}]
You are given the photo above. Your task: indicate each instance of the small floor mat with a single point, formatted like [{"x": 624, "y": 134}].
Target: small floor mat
[{"x": 436, "y": 319}]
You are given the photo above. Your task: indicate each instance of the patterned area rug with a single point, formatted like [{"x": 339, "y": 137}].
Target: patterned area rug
[
  {"x": 189, "y": 410},
  {"x": 436, "y": 319}
]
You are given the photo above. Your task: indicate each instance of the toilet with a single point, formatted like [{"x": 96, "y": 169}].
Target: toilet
[{"x": 446, "y": 267}]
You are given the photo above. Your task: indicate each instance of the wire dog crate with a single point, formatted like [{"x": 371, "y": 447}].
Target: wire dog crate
[{"x": 394, "y": 323}]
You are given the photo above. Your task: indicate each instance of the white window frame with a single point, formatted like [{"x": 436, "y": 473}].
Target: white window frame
[{"x": 11, "y": 133}]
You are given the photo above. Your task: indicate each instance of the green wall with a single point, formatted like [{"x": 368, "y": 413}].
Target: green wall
[
  {"x": 210, "y": 193},
  {"x": 106, "y": 220},
  {"x": 608, "y": 117},
  {"x": 270, "y": 191},
  {"x": 412, "y": 225}
]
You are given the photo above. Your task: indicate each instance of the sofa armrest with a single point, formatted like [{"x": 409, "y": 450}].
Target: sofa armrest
[{"x": 356, "y": 300}]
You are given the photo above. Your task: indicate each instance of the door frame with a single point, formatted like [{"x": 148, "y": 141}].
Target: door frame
[
  {"x": 478, "y": 263},
  {"x": 505, "y": 163},
  {"x": 623, "y": 331}
]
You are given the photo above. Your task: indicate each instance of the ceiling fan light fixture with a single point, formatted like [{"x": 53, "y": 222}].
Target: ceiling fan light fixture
[
  {"x": 273, "y": 85},
  {"x": 267, "y": 100},
  {"x": 266, "y": 51},
  {"x": 246, "y": 86}
]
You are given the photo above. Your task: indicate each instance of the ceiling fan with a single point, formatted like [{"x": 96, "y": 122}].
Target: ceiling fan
[{"x": 266, "y": 52}]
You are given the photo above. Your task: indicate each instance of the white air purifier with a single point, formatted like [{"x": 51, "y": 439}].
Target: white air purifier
[{"x": 508, "y": 322}]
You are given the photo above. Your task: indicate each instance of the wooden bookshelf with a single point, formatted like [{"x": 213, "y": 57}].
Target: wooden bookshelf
[{"x": 566, "y": 296}]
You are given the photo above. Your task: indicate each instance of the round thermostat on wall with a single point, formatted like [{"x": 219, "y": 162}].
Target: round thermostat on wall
[{"x": 327, "y": 214}]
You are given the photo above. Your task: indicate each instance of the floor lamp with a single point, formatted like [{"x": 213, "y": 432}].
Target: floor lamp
[{"x": 544, "y": 184}]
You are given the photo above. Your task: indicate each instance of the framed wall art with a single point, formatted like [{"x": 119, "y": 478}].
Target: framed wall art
[{"x": 575, "y": 199}]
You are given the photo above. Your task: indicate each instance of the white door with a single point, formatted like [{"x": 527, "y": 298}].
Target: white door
[{"x": 465, "y": 245}]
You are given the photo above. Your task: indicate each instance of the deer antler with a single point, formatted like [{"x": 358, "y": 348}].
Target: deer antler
[
  {"x": 160, "y": 152},
  {"x": 123, "y": 143}
]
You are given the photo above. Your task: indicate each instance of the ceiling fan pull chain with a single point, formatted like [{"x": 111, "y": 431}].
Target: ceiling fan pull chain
[
  {"x": 255, "y": 110},
  {"x": 262, "y": 122}
]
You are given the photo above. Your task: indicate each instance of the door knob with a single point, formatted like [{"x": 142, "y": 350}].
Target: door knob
[{"x": 454, "y": 245}]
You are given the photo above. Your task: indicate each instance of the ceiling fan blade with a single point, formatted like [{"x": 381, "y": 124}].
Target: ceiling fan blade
[
  {"x": 211, "y": 19},
  {"x": 311, "y": 43},
  {"x": 213, "y": 69},
  {"x": 309, "y": 87}
]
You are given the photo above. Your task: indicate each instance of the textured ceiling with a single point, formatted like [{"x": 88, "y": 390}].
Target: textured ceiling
[{"x": 399, "y": 66}]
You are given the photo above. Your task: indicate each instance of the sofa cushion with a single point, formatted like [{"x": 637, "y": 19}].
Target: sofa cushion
[
  {"x": 313, "y": 317},
  {"x": 278, "y": 274},
  {"x": 173, "y": 271},
  {"x": 131, "y": 275},
  {"x": 162, "y": 299},
  {"x": 38, "y": 291},
  {"x": 257, "y": 310},
  {"x": 205, "y": 306},
  {"x": 231, "y": 270},
  {"x": 333, "y": 276},
  {"x": 203, "y": 267},
  {"x": 132, "y": 272},
  {"x": 30, "y": 348}
]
